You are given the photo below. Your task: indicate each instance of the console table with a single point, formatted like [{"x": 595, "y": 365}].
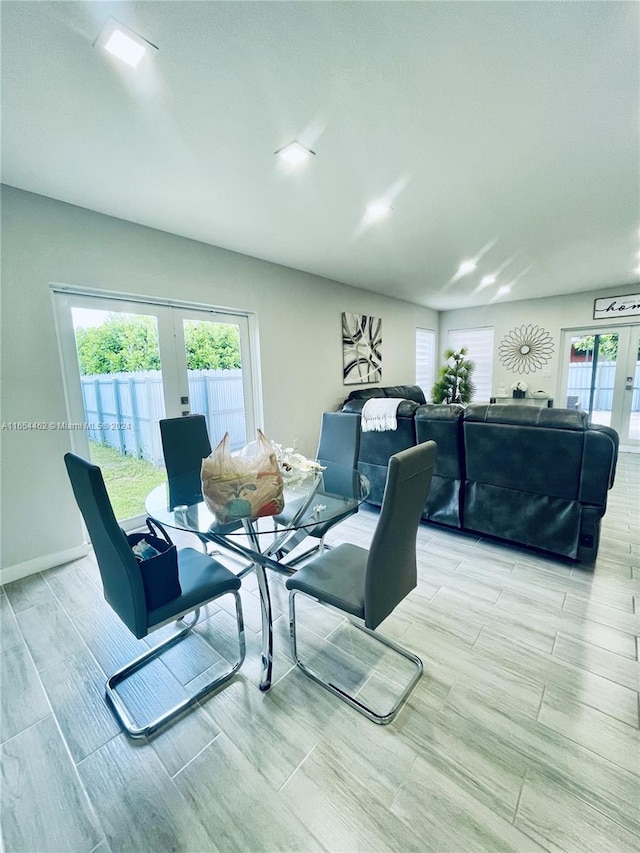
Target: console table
[{"x": 543, "y": 402}]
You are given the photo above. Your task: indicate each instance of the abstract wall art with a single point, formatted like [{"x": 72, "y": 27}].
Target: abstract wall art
[{"x": 362, "y": 349}]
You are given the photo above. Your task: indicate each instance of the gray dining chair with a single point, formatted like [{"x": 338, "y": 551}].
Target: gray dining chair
[
  {"x": 368, "y": 585},
  {"x": 185, "y": 443},
  {"x": 338, "y": 448},
  {"x": 201, "y": 580}
]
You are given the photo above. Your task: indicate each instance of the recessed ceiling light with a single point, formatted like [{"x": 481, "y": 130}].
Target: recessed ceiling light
[
  {"x": 466, "y": 267},
  {"x": 378, "y": 209},
  {"x": 123, "y": 43},
  {"x": 637, "y": 270},
  {"x": 294, "y": 153},
  {"x": 487, "y": 280},
  {"x": 502, "y": 291}
]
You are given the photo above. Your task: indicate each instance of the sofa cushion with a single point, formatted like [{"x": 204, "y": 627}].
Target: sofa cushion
[
  {"x": 515, "y": 451},
  {"x": 442, "y": 424},
  {"x": 404, "y": 392},
  {"x": 365, "y": 394},
  {"x": 536, "y": 476},
  {"x": 528, "y": 416}
]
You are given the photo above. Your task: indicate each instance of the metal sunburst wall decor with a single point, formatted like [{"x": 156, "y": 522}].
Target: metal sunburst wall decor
[{"x": 526, "y": 349}]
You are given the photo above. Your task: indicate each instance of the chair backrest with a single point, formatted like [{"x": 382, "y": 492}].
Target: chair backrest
[
  {"x": 185, "y": 443},
  {"x": 338, "y": 449},
  {"x": 339, "y": 439},
  {"x": 121, "y": 578},
  {"x": 391, "y": 566}
]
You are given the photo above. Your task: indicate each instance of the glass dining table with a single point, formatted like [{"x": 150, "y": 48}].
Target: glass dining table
[{"x": 312, "y": 501}]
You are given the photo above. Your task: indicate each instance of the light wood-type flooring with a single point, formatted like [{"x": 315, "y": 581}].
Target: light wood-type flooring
[{"x": 522, "y": 735}]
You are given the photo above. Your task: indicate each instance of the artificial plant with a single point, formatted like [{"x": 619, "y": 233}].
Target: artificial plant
[{"x": 454, "y": 383}]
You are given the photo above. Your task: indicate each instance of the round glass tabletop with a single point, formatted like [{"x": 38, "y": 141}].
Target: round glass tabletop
[{"x": 317, "y": 498}]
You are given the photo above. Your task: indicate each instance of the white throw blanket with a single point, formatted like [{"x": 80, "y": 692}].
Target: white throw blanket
[{"x": 379, "y": 413}]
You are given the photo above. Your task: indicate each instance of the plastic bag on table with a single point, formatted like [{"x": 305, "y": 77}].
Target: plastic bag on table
[{"x": 248, "y": 485}]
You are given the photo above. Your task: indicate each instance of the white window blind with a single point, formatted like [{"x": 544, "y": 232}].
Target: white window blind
[
  {"x": 425, "y": 360},
  {"x": 479, "y": 346}
]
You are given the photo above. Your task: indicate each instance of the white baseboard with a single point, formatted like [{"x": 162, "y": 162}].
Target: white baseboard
[{"x": 40, "y": 564}]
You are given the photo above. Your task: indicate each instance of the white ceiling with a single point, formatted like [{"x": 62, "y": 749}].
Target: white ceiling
[{"x": 507, "y": 130}]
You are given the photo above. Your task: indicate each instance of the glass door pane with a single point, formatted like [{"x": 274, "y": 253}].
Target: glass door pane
[
  {"x": 591, "y": 377},
  {"x": 631, "y": 409},
  {"x": 218, "y": 370},
  {"x": 123, "y": 400}
]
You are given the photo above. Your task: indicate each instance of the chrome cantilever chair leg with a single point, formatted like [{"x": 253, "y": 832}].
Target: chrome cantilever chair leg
[
  {"x": 380, "y": 719},
  {"x": 121, "y": 711}
]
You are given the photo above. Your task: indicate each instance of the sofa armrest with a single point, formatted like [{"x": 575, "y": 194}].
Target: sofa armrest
[{"x": 615, "y": 438}]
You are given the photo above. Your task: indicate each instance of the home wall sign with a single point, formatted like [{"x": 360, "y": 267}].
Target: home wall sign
[
  {"x": 526, "y": 349},
  {"x": 616, "y": 307},
  {"x": 361, "y": 348}
]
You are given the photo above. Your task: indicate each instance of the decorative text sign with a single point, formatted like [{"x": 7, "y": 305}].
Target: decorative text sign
[{"x": 616, "y": 307}]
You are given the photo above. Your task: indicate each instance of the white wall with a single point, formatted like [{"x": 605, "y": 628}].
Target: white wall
[
  {"x": 299, "y": 318},
  {"x": 554, "y": 314}
]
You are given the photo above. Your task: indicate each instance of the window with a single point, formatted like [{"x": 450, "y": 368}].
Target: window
[
  {"x": 425, "y": 360},
  {"x": 479, "y": 345}
]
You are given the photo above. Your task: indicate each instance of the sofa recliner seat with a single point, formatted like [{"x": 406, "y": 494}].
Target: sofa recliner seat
[{"x": 536, "y": 477}]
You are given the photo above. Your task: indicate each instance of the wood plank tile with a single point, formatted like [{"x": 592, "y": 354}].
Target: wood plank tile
[
  {"x": 271, "y": 740},
  {"x": 609, "y": 787},
  {"x": 28, "y": 592},
  {"x": 44, "y": 807},
  {"x": 559, "y": 620},
  {"x": 229, "y": 795},
  {"x": 49, "y": 634},
  {"x": 9, "y": 632},
  {"x": 379, "y": 759},
  {"x": 485, "y": 766},
  {"x": 554, "y": 578},
  {"x": 446, "y": 817},
  {"x": 22, "y": 700},
  {"x": 189, "y": 658},
  {"x": 139, "y": 807},
  {"x": 340, "y": 810},
  {"x": 610, "y": 616},
  {"x": 74, "y": 591},
  {"x": 109, "y": 640},
  {"x": 75, "y": 688},
  {"x": 608, "y": 737},
  {"x": 600, "y": 661},
  {"x": 179, "y": 744},
  {"x": 561, "y": 821},
  {"x": 525, "y": 628},
  {"x": 582, "y": 685}
]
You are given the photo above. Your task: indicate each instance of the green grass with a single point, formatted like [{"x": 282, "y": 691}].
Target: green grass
[{"x": 128, "y": 480}]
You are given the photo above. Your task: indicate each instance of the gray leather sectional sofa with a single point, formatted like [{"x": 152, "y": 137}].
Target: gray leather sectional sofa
[{"x": 533, "y": 476}]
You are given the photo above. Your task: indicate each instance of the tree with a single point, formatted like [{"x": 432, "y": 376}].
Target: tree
[
  {"x": 211, "y": 346},
  {"x": 454, "y": 383},
  {"x": 120, "y": 345},
  {"x": 608, "y": 346},
  {"x": 127, "y": 344}
]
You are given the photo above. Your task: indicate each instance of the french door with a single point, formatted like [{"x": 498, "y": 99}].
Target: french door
[
  {"x": 602, "y": 377},
  {"x": 127, "y": 364}
]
